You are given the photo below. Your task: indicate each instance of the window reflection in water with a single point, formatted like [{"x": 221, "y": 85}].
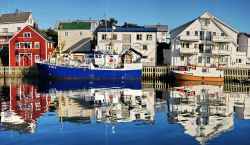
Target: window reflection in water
[{"x": 204, "y": 111}]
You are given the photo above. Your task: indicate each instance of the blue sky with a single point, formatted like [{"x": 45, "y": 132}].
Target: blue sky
[{"x": 236, "y": 13}]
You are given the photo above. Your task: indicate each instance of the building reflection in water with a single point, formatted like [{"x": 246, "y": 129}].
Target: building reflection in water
[
  {"x": 105, "y": 105},
  {"x": 205, "y": 111},
  {"x": 21, "y": 106}
]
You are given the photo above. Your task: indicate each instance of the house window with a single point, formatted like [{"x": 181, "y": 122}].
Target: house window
[
  {"x": 66, "y": 33},
  {"x": 17, "y": 45},
  {"x": 208, "y": 59},
  {"x": 25, "y": 45},
  {"x": 37, "y": 44},
  {"x": 139, "y": 37},
  {"x": 145, "y": 47},
  {"x": 114, "y": 36},
  {"x": 196, "y": 33},
  {"x": 240, "y": 60},
  {"x": 222, "y": 34},
  {"x": 37, "y": 58},
  {"x": 199, "y": 59},
  {"x": 183, "y": 45},
  {"x": 26, "y": 34},
  {"x": 182, "y": 58},
  {"x": 48, "y": 45},
  {"x": 187, "y": 45},
  {"x": 5, "y": 30},
  {"x": 188, "y": 33},
  {"x": 17, "y": 58},
  {"x": 214, "y": 33},
  {"x": 104, "y": 36},
  {"x": 195, "y": 45},
  {"x": 149, "y": 37},
  {"x": 81, "y": 34},
  {"x": 18, "y": 28}
]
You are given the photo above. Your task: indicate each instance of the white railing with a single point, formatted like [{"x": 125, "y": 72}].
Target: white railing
[
  {"x": 189, "y": 50},
  {"x": 221, "y": 52},
  {"x": 189, "y": 38},
  {"x": 221, "y": 39}
]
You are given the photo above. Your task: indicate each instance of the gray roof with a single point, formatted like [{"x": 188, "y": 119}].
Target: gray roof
[
  {"x": 41, "y": 33},
  {"x": 17, "y": 17},
  {"x": 81, "y": 46}
]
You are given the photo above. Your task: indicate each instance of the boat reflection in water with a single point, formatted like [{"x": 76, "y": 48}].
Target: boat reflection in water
[
  {"x": 128, "y": 111},
  {"x": 206, "y": 111},
  {"x": 106, "y": 102}
]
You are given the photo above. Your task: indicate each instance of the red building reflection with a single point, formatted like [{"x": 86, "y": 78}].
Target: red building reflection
[{"x": 27, "y": 103}]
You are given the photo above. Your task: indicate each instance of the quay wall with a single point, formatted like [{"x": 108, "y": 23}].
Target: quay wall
[{"x": 157, "y": 72}]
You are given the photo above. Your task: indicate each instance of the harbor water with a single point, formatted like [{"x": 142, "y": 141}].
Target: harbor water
[{"x": 122, "y": 113}]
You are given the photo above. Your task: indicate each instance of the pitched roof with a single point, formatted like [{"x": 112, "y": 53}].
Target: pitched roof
[
  {"x": 17, "y": 17},
  {"x": 122, "y": 29},
  {"x": 81, "y": 46},
  {"x": 247, "y": 35},
  {"x": 41, "y": 33},
  {"x": 75, "y": 26}
]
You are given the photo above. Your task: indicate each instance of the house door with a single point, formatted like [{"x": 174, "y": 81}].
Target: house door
[{"x": 25, "y": 60}]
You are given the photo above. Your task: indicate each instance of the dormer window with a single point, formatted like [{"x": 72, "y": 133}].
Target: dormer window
[{"x": 26, "y": 34}]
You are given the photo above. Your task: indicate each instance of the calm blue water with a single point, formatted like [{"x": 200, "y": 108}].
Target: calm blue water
[{"x": 102, "y": 113}]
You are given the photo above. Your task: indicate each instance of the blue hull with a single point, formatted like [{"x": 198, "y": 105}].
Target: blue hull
[
  {"x": 63, "y": 72},
  {"x": 66, "y": 85}
]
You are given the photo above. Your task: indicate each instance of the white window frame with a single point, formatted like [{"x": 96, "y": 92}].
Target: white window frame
[
  {"x": 66, "y": 34},
  {"x": 36, "y": 44},
  {"x": 17, "y": 58},
  {"x": 18, "y": 29},
  {"x": 28, "y": 33},
  {"x": 139, "y": 37},
  {"x": 17, "y": 45},
  {"x": 5, "y": 30},
  {"x": 104, "y": 36},
  {"x": 81, "y": 33},
  {"x": 37, "y": 58},
  {"x": 149, "y": 37},
  {"x": 25, "y": 42}
]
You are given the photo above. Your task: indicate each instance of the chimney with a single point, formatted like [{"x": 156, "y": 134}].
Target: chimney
[{"x": 17, "y": 12}]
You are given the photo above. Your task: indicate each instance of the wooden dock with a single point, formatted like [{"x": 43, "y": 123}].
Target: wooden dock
[{"x": 18, "y": 72}]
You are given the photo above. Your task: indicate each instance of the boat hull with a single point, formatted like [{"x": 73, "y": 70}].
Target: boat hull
[
  {"x": 187, "y": 77},
  {"x": 65, "y": 72},
  {"x": 195, "y": 83}
]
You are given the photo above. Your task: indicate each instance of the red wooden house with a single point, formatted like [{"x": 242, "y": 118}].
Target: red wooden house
[{"x": 28, "y": 46}]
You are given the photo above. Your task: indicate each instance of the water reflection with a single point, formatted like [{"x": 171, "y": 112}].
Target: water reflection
[
  {"x": 107, "y": 105},
  {"x": 21, "y": 106},
  {"x": 205, "y": 111}
]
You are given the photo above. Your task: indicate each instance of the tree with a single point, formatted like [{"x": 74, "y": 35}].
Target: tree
[
  {"x": 52, "y": 34},
  {"x": 127, "y": 25},
  {"x": 108, "y": 23}
]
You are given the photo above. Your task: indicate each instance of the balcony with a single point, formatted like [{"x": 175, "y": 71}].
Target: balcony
[
  {"x": 220, "y": 52},
  {"x": 189, "y": 38},
  {"x": 7, "y": 33},
  {"x": 241, "y": 53},
  {"x": 190, "y": 51},
  {"x": 221, "y": 39}
]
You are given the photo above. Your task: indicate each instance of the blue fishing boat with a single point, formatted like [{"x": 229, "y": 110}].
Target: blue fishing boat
[
  {"x": 128, "y": 72},
  {"x": 107, "y": 65}
]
